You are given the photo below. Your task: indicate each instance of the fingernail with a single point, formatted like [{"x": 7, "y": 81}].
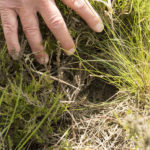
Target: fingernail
[
  {"x": 99, "y": 27},
  {"x": 15, "y": 55},
  {"x": 70, "y": 51},
  {"x": 43, "y": 60}
]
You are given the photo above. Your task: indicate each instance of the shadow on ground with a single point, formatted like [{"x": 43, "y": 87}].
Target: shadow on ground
[{"x": 100, "y": 91}]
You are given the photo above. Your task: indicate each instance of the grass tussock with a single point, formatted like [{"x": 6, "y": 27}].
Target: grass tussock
[
  {"x": 95, "y": 100},
  {"x": 124, "y": 51}
]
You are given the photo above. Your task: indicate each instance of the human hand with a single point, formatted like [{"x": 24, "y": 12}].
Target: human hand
[{"x": 27, "y": 11}]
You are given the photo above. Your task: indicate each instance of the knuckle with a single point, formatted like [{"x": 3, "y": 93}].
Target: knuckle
[
  {"x": 30, "y": 29},
  {"x": 8, "y": 28},
  {"x": 56, "y": 21}
]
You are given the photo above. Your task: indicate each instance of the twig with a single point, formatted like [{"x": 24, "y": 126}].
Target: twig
[{"x": 56, "y": 79}]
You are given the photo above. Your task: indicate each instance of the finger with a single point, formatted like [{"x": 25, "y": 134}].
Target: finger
[
  {"x": 10, "y": 27},
  {"x": 31, "y": 29},
  {"x": 56, "y": 24},
  {"x": 86, "y": 11}
]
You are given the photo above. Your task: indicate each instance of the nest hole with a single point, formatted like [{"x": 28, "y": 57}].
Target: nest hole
[{"x": 100, "y": 91}]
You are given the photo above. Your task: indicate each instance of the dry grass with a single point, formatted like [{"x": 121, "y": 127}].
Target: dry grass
[{"x": 92, "y": 115}]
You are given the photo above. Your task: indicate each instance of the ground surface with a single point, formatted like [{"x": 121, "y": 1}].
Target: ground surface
[{"x": 97, "y": 99}]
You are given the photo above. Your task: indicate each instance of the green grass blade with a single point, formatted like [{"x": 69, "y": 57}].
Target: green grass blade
[
  {"x": 54, "y": 106},
  {"x": 15, "y": 109}
]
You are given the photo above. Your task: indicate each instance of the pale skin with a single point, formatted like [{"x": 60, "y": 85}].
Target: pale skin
[{"x": 27, "y": 11}]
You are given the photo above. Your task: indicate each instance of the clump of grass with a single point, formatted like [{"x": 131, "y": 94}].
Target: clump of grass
[
  {"x": 23, "y": 116},
  {"x": 124, "y": 54},
  {"x": 29, "y": 106}
]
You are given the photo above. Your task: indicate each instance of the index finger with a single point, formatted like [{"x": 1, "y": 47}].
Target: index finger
[{"x": 86, "y": 11}]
